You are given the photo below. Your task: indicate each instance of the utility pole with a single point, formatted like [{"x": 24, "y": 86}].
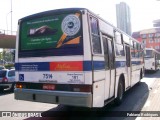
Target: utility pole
[{"x": 11, "y": 17}]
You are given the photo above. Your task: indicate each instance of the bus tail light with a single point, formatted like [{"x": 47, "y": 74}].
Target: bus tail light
[
  {"x": 153, "y": 64},
  {"x": 82, "y": 88},
  {"x": 19, "y": 85},
  {"x": 49, "y": 87}
]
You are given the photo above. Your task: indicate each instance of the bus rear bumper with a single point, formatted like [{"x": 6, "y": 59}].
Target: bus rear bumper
[{"x": 55, "y": 97}]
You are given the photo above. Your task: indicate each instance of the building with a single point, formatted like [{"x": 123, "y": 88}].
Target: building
[
  {"x": 149, "y": 37},
  {"x": 6, "y": 40},
  {"x": 123, "y": 17},
  {"x": 156, "y": 23}
]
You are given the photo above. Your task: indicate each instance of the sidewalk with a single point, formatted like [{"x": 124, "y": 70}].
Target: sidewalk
[{"x": 153, "y": 101}]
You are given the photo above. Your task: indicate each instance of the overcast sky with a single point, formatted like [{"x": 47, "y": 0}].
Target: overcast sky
[{"x": 143, "y": 12}]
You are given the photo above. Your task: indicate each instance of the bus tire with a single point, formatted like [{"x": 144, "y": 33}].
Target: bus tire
[
  {"x": 141, "y": 75},
  {"x": 120, "y": 93},
  {"x": 1, "y": 89}
]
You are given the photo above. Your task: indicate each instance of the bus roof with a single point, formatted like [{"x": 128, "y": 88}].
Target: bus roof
[
  {"x": 152, "y": 50},
  {"x": 51, "y": 12},
  {"x": 64, "y": 10}
]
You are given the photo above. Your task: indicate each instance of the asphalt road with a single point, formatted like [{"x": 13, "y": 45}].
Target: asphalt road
[{"x": 134, "y": 100}]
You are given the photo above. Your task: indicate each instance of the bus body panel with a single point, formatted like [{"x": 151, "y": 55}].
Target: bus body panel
[
  {"x": 86, "y": 37},
  {"x": 107, "y": 85},
  {"x": 58, "y": 68},
  {"x": 81, "y": 79},
  {"x": 128, "y": 77},
  {"x": 150, "y": 64},
  {"x": 106, "y": 28},
  {"x": 87, "y": 48},
  {"x": 135, "y": 76},
  {"x": 56, "y": 72},
  {"x": 55, "y": 97},
  {"x": 116, "y": 85},
  {"x": 98, "y": 68},
  {"x": 107, "y": 32},
  {"x": 98, "y": 94},
  {"x": 54, "y": 77},
  {"x": 112, "y": 84}
]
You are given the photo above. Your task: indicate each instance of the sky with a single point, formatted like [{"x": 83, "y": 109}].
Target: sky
[{"x": 143, "y": 12}]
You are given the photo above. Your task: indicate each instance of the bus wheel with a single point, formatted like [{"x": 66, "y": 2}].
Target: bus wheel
[
  {"x": 120, "y": 94},
  {"x": 141, "y": 75},
  {"x": 1, "y": 89}
]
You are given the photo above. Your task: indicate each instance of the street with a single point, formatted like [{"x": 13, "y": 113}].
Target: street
[{"x": 134, "y": 100}]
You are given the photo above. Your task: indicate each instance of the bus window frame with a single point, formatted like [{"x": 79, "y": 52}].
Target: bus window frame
[
  {"x": 119, "y": 43},
  {"x": 99, "y": 34}
]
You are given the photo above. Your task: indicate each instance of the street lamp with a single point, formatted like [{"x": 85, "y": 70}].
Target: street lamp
[
  {"x": 11, "y": 17},
  {"x": 7, "y": 21}
]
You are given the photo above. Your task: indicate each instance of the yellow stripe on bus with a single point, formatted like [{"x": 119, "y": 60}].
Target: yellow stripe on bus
[
  {"x": 74, "y": 41},
  {"x": 63, "y": 37}
]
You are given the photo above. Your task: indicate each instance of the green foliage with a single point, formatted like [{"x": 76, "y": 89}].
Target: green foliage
[{"x": 9, "y": 66}]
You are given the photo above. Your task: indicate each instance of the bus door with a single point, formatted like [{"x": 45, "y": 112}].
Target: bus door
[
  {"x": 109, "y": 66},
  {"x": 128, "y": 65},
  {"x": 156, "y": 61}
]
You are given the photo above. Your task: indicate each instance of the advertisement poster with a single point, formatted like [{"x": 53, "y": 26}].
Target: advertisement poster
[{"x": 50, "y": 32}]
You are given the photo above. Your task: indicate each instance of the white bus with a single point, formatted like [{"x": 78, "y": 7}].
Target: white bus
[
  {"x": 151, "y": 59},
  {"x": 73, "y": 57}
]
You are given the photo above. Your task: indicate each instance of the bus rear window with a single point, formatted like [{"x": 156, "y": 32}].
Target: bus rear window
[
  {"x": 149, "y": 54},
  {"x": 59, "y": 34}
]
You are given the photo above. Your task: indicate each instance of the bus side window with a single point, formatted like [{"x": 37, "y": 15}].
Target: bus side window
[
  {"x": 141, "y": 51},
  {"x": 128, "y": 56},
  {"x": 95, "y": 36},
  {"x": 119, "y": 50},
  {"x": 119, "y": 45},
  {"x": 136, "y": 50},
  {"x": 132, "y": 49}
]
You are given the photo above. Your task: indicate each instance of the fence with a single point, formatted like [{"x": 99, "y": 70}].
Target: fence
[{"x": 7, "y": 32}]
